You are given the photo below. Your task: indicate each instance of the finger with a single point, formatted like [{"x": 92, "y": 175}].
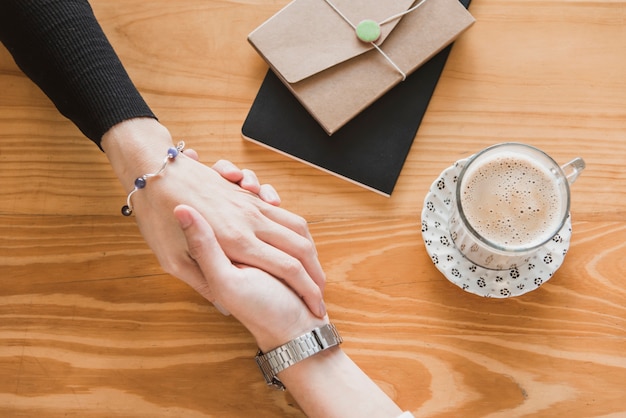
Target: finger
[
  {"x": 195, "y": 279},
  {"x": 203, "y": 247},
  {"x": 290, "y": 233},
  {"x": 292, "y": 272},
  {"x": 289, "y": 220},
  {"x": 247, "y": 180},
  {"x": 268, "y": 194},
  {"x": 297, "y": 247},
  {"x": 191, "y": 153},
  {"x": 228, "y": 170},
  {"x": 250, "y": 181}
]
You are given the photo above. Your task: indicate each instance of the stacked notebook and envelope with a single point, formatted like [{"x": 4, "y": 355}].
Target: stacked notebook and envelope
[{"x": 341, "y": 104}]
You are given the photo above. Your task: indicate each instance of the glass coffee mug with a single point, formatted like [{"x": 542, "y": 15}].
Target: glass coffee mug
[{"x": 510, "y": 200}]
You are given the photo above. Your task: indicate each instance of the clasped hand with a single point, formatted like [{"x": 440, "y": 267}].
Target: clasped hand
[
  {"x": 249, "y": 230},
  {"x": 271, "y": 311}
]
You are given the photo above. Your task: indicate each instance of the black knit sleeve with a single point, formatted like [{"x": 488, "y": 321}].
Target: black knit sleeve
[{"x": 62, "y": 48}]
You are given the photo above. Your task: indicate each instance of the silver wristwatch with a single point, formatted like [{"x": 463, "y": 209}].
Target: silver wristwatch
[{"x": 298, "y": 349}]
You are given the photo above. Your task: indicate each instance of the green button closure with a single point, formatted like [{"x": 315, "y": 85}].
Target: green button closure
[{"x": 368, "y": 31}]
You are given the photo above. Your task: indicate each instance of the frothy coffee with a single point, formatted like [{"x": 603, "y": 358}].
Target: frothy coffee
[{"x": 512, "y": 201}]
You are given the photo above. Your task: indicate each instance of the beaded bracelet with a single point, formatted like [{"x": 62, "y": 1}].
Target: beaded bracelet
[{"x": 140, "y": 182}]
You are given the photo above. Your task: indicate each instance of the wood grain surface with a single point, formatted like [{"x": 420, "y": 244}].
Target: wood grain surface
[{"x": 90, "y": 326}]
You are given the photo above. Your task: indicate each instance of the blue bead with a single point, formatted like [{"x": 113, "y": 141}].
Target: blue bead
[
  {"x": 126, "y": 211},
  {"x": 140, "y": 183},
  {"x": 172, "y": 152}
]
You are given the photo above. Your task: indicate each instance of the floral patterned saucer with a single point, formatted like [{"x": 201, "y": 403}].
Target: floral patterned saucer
[{"x": 467, "y": 275}]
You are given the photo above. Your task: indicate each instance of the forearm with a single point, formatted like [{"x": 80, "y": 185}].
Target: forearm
[{"x": 330, "y": 384}]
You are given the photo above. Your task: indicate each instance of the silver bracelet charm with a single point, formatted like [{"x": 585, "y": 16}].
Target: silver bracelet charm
[{"x": 140, "y": 182}]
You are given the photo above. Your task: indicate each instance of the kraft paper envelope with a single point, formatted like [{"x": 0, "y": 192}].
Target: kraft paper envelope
[{"x": 312, "y": 46}]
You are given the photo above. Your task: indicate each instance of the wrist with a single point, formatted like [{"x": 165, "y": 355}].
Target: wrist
[
  {"x": 135, "y": 147},
  {"x": 299, "y": 349},
  {"x": 333, "y": 358}
]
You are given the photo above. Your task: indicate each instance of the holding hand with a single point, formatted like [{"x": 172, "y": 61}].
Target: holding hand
[
  {"x": 271, "y": 311},
  {"x": 249, "y": 230}
]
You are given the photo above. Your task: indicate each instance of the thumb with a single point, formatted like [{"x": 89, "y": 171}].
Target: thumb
[
  {"x": 201, "y": 240},
  {"x": 204, "y": 249}
]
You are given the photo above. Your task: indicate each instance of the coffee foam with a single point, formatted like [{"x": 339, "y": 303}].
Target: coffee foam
[{"x": 512, "y": 201}]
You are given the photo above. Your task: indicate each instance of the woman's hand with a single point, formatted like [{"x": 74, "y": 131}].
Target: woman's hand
[
  {"x": 249, "y": 230},
  {"x": 271, "y": 311}
]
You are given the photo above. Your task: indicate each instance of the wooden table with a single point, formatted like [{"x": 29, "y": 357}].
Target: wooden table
[{"x": 90, "y": 326}]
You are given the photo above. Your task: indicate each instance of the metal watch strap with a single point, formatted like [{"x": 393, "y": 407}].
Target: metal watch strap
[{"x": 296, "y": 350}]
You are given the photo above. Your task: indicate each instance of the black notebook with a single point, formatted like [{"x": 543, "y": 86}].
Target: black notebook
[{"x": 370, "y": 150}]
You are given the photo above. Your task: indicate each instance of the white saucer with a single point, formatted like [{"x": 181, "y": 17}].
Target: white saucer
[{"x": 465, "y": 274}]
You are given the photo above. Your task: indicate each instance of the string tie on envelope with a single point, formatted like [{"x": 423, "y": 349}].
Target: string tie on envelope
[{"x": 369, "y": 30}]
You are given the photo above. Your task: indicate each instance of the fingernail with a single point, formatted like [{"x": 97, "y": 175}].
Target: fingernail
[
  {"x": 184, "y": 218},
  {"x": 269, "y": 195},
  {"x": 322, "y": 310},
  {"x": 275, "y": 197}
]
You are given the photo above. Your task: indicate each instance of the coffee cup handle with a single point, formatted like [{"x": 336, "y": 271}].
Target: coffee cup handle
[{"x": 573, "y": 169}]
